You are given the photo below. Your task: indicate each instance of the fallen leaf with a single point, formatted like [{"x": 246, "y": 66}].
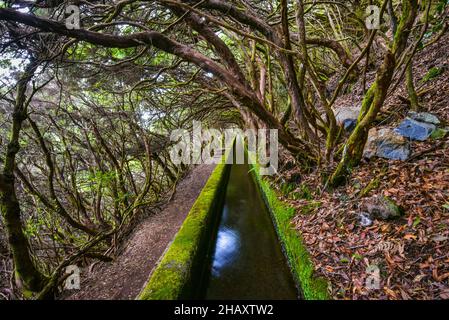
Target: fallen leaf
[{"x": 410, "y": 237}]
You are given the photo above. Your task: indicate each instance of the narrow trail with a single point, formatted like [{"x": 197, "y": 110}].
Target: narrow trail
[{"x": 124, "y": 278}]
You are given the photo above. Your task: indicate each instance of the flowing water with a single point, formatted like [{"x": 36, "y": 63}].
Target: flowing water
[{"x": 246, "y": 261}]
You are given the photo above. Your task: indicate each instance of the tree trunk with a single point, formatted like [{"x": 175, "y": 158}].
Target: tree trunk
[
  {"x": 375, "y": 97},
  {"x": 26, "y": 272},
  {"x": 353, "y": 150},
  {"x": 413, "y": 97},
  {"x": 393, "y": 19}
]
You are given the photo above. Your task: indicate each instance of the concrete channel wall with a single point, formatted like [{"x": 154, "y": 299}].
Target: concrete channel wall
[{"x": 179, "y": 272}]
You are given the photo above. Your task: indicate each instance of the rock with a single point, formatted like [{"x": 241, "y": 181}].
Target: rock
[
  {"x": 439, "y": 238},
  {"x": 347, "y": 117},
  {"x": 424, "y": 117},
  {"x": 386, "y": 143},
  {"x": 365, "y": 219},
  {"x": 349, "y": 124},
  {"x": 383, "y": 208},
  {"x": 415, "y": 130}
]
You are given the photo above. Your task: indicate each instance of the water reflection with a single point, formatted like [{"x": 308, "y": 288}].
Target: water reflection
[
  {"x": 226, "y": 247},
  {"x": 226, "y": 250}
]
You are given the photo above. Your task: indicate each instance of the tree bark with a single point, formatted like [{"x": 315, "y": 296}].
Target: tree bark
[
  {"x": 26, "y": 272},
  {"x": 412, "y": 95},
  {"x": 376, "y": 95}
]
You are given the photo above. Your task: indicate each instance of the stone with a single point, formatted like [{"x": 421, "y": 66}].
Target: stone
[
  {"x": 386, "y": 143},
  {"x": 365, "y": 219},
  {"x": 415, "y": 130},
  {"x": 349, "y": 124},
  {"x": 439, "y": 238},
  {"x": 382, "y": 207},
  {"x": 347, "y": 117},
  {"x": 424, "y": 117}
]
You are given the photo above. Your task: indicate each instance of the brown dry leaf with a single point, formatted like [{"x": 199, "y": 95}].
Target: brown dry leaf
[
  {"x": 405, "y": 295},
  {"x": 444, "y": 294},
  {"x": 329, "y": 269},
  {"x": 444, "y": 276},
  {"x": 410, "y": 237},
  {"x": 391, "y": 293},
  {"x": 419, "y": 277}
]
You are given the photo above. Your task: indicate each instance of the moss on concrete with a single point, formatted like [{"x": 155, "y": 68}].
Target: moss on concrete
[
  {"x": 313, "y": 288},
  {"x": 171, "y": 279}
]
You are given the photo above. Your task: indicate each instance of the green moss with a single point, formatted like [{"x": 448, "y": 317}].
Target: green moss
[
  {"x": 372, "y": 185},
  {"x": 439, "y": 133},
  {"x": 173, "y": 275},
  {"x": 395, "y": 210},
  {"x": 432, "y": 74},
  {"x": 171, "y": 279},
  {"x": 313, "y": 288}
]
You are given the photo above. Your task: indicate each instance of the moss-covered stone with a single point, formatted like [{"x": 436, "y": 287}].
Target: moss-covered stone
[
  {"x": 382, "y": 207},
  {"x": 313, "y": 288},
  {"x": 396, "y": 210}
]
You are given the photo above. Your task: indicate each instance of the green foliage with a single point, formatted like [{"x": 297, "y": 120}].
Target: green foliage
[
  {"x": 5, "y": 63},
  {"x": 305, "y": 192},
  {"x": 441, "y": 5},
  {"x": 345, "y": 260},
  {"x": 101, "y": 177},
  {"x": 416, "y": 222},
  {"x": 357, "y": 256},
  {"x": 302, "y": 192},
  {"x": 32, "y": 227},
  {"x": 322, "y": 76}
]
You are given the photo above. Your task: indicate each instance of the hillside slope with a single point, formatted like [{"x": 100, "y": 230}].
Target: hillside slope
[{"x": 411, "y": 254}]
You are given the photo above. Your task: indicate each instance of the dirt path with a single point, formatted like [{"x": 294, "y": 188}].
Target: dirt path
[{"x": 124, "y": 278}]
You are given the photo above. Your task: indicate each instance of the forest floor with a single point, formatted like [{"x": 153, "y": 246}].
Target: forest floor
[
  {"x": 412, "y": 253},
  {"x": 124, "y": 278}
]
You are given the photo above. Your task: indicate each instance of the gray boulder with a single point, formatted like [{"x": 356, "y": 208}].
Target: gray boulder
[
  {"x": 415, "y": 130},
  {"x": 347, "y": 117},
  {"x": 386, "y": 143},
  {"x": 424, "y": 117}
]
